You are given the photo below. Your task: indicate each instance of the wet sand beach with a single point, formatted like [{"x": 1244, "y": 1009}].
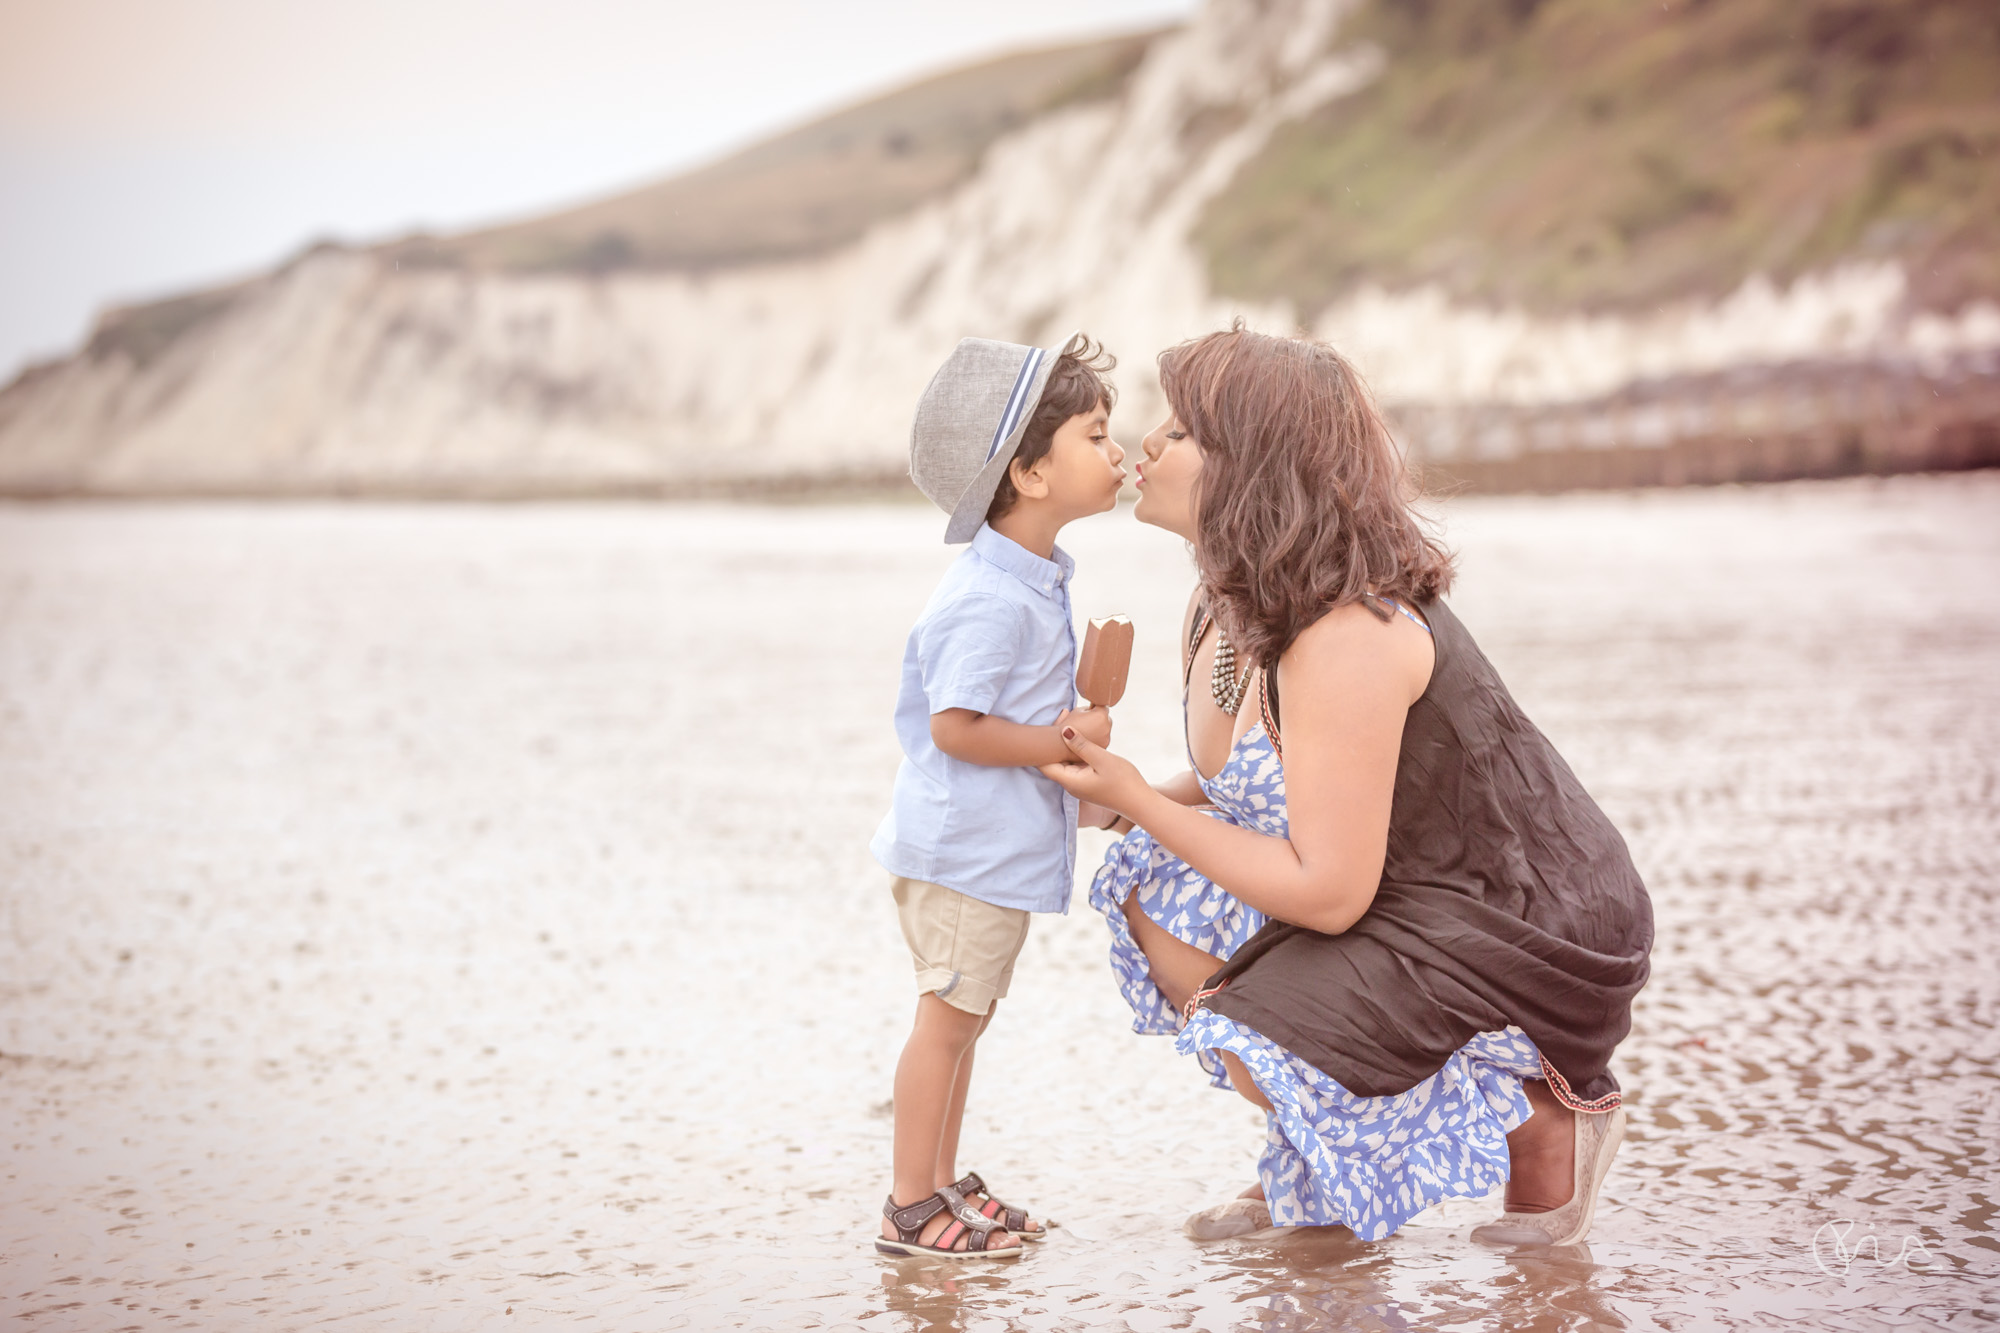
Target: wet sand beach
[{"x": 433, "y": 917}]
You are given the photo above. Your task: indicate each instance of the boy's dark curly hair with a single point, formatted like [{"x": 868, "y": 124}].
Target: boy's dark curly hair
[{"x": 1076, "y": 385}]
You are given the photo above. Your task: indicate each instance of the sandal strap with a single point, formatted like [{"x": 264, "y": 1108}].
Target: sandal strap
[
  {"x": 909, "y": 1220},
  {"x": 1006, "y": 1214},
  {"x": 1011, "y": 1218},
  {"x": 975, "y": 1222},
  {"x": 964, "y": 1211}
]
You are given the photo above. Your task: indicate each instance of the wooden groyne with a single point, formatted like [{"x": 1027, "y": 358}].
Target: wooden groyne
[{"x": 1766, "y": 423}]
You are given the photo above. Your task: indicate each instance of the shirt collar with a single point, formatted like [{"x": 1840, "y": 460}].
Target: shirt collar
[{"x": 1044, "y": 576}]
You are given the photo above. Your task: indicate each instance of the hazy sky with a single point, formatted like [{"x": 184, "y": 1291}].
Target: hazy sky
[{"x": 147, "y": 145}]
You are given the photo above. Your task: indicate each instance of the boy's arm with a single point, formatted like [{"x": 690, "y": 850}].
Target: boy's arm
[{"x": 981, "y": 738}]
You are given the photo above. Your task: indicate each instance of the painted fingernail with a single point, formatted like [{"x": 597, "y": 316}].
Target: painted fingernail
[{"x": 1069, "y": 733}]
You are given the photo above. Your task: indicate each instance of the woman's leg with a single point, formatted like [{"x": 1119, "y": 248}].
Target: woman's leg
[
  {"x": 1541, "y": 1154},
  {"x": 1178, "y": 969}
]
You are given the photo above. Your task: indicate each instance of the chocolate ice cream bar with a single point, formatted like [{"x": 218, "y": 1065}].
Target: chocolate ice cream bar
[{"x": 1106, "y": 657}]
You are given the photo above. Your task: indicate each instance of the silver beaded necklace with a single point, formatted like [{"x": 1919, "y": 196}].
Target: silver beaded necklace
[{"x": 1223, "y": 683}]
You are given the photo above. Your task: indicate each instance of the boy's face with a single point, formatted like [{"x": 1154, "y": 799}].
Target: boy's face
[{"x": 1082, "y": 469}]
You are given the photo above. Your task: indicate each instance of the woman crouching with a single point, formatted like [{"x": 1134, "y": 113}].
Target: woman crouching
[{"x": 1399, "y": 924}]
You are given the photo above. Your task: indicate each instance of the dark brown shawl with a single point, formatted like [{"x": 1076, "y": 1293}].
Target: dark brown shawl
[{"x": 1507, "y": 899}]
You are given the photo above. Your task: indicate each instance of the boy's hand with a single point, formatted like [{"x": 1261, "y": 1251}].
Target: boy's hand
[{"x": 1093, "y": 723}]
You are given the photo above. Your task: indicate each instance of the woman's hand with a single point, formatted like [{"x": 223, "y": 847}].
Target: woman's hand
[
  {"x": 1099, "y": 776},
  {"x": 1092, "y": 723}
]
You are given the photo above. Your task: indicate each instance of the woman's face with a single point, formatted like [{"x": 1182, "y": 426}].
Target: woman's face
[{"x": 1166, "y": 478}]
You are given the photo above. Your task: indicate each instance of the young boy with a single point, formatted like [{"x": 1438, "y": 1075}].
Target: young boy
[{"x": 1013, "y": 443}]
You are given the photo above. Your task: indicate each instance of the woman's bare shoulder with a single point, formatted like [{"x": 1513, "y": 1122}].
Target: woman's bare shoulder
[{"x": 1353, "y": 638}]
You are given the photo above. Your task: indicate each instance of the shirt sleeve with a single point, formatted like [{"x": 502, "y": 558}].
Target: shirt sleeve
[{"x": 966, "y": 652}]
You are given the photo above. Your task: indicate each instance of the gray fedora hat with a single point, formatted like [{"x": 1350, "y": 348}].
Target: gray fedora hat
[{"x": 969, "y": 422}]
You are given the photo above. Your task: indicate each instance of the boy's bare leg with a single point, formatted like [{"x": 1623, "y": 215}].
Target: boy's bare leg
[
  {"x": 927, "y": 1076},
  {"x": 954, "y": 1116},
  {"x": 1178, "y": 969},
  {"x": 947, "y": 1163}
]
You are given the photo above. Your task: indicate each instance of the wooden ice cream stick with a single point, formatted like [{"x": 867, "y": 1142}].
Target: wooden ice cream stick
[{"x": 1106, "y": 658}]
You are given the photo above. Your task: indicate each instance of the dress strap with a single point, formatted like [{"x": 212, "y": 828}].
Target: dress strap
[
  {"x": 1267, "y": 707},
  {"x": 1267, "y": 679},
  {"x": 1201, "y": 619},
  {"x": 1415, "y": 619}
]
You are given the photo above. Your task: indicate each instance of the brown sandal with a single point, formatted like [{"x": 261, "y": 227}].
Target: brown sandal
[
  {"x": 1014, "y": 1219},
  {"x": 976, "y": 1229}
]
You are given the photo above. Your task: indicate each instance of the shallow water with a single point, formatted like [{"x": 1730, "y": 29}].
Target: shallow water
[{"x": 461, "y": 918}]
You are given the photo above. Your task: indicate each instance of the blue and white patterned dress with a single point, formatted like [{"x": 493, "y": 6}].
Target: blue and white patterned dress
[{"x": 1330, "y": 1157}]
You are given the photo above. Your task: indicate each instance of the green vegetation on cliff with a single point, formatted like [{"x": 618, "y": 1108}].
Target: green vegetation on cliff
[{"x": 1615, "y": 154}]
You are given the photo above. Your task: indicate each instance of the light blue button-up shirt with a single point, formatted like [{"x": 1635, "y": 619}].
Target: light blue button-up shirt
[{"x": 995, "y": 638}]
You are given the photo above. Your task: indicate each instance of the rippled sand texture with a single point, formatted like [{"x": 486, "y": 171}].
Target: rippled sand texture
[{"x": 461, "y": 918}]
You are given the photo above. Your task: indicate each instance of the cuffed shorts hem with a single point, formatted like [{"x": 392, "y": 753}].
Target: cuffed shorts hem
[
  {"x": 962, "y": 948},
  {"x": 960, "y": 991}
]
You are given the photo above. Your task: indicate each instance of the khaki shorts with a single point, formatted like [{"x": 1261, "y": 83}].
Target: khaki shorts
[{"x": 964, "y": 949}]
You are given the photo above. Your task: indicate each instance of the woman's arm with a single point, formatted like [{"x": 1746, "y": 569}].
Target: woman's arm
[
  {"x": 1347, "y": 686},
  {"x": 1183, "y": 787}
]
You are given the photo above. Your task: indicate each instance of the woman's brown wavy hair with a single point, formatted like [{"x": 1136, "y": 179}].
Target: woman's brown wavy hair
[{"x": 1303, "y": 503}]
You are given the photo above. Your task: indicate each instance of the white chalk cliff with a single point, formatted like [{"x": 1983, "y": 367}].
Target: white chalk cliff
[{"x": 344, "y": 371}]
